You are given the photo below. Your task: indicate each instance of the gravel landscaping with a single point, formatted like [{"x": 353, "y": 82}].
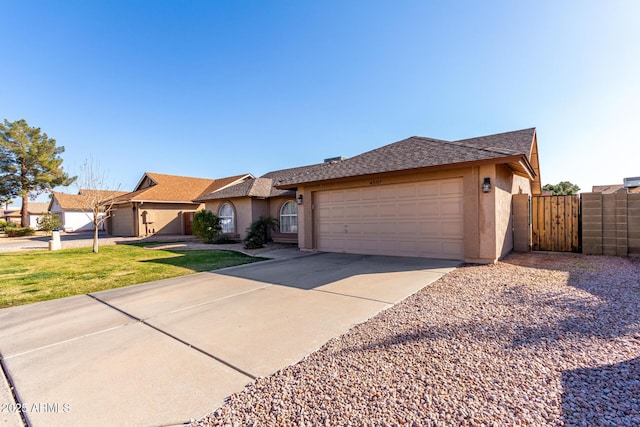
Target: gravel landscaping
[{"x": 538, "y": 339}]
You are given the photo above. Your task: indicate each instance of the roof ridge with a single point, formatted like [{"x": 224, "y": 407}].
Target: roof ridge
[
  {"x": 496, "y": 134},
  {"x": 488, "y": 150}
]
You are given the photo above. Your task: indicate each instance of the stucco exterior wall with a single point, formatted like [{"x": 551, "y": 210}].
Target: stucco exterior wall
[
  {"x": 78, "y": 221},
  {"x": 487, "y": 216},
  {"x": 145, "y": 219},
  {"x": 162, "y": 218},
  {"x": 243, "y": 208},
  {"x": 275, "y": 204}
]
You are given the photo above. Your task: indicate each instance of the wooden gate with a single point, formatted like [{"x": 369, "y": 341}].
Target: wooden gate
[
  {"x": 556, "y": 223},
  {"x": 188, "y": 221}
]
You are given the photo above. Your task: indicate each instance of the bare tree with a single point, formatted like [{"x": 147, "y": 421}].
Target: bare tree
[{"x": 97, "y": 199}]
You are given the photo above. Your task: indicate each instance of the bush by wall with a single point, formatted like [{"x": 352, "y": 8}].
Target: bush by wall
[{"x": 206, "y": 225}]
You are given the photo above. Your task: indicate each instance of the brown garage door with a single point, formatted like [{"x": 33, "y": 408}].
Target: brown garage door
[
  {"x": 122, "y": 221},
  {"x": 423, "y": 219}
]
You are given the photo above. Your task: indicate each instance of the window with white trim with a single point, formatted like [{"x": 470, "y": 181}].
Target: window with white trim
[
  {"x": 227, "y": 218},
  {"x": 289, "y": 217}
]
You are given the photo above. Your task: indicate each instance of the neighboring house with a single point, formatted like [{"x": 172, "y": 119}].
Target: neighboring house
[
  {"x": 35, "y": 211},
  {"x": 241, "y": 204},
  {"x": 629, "y": 185},
  {"x": 163, "y": 204},
  {"x": 74, "y": 211},
  {"x": 609, "y": 189},
  {"x": 416, "y": 197}
]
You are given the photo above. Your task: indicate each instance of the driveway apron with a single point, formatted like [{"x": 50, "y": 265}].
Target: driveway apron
[{"x": 164, "y": 352}]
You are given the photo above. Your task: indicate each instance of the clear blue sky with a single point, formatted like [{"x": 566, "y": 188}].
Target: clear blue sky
[{"x": 218, "y": 88}]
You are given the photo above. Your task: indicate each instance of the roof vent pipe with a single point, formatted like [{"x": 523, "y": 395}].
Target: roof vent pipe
[{"x": 334, "y": 159}]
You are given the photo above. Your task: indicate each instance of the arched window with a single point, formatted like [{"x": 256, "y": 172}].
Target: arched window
[
  {"x": 227, "y": 218},
  {"x": 289, "y": 217}
]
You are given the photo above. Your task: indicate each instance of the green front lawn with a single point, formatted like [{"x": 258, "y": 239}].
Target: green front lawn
[{"x": 32, "y": 276}]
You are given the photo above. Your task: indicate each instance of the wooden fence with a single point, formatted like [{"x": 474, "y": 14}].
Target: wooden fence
[{"x": 555, "y": 223}]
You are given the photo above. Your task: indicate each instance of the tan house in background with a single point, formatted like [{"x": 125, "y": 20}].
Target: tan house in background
[
  {"x": 35, "y": 211},
  {"x": 162, "y": 204},
  {"x": 629, "y": 185},
  {"x": 74, "y": 209}
]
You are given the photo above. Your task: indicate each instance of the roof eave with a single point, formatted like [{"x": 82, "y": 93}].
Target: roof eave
[{"x": 518, "y": 163}]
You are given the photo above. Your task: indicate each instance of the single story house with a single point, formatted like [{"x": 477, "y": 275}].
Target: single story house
[
  {"x": 75, "y": 211},
  {"x": 419, "y": 197},
  {"x": 162, "y": 204},
  {"x": 629, "y": 185},
  {"x": 35, "y": 211}
]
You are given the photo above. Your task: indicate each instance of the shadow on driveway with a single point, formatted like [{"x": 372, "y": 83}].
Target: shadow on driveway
[{"x": 321, "y": 269}]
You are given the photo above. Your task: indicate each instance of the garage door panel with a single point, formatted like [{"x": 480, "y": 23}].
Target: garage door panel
[
  {"x": 451, "y": 229},
  {"x": 407, "y": 192},
  {"x": 451, "y": 187},
  {"x": 428, "y": 209},
  {"x": 407, "y": 209},
  {"x": 387, "y": 211},
  {"x": 387, "y": 193},
  {"x": 451, "y": 207},
  {"x": 416, "y": 219},
  {"x": 369, "y": 194},
  {"x": 352, "y": 195},
  {"x": 428, "y": 189},
  {"x": 407, "y": 228}
]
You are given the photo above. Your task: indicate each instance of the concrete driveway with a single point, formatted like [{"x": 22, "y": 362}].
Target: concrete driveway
[{"x": 163, "y": 352}]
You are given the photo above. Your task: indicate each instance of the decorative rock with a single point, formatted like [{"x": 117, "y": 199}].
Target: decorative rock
[{"x": 534, "y": 340}]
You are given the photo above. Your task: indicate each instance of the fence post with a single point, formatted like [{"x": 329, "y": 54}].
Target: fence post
[{"x": 592, "y": 223}]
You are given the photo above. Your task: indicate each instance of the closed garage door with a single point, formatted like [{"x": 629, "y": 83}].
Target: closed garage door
[
  {"x": 423, "y": 219},
  {"x": 122, "y": 221}
]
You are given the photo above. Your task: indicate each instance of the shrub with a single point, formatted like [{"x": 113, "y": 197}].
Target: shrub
[
  {"x": 223, "y": 239},
  {"x": 259, "y": 232},
  {"x": 6, "y": 224},
  {"x": 206, "y": 225},
  {"x": 49, "y": 222},
  {"x": 19, "y": 231}
]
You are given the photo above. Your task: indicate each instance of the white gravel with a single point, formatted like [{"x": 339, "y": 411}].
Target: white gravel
[{"x": 538, "y": 339}]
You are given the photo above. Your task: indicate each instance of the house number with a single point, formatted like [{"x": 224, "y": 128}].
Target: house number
[{"x": 375, "y": 182}]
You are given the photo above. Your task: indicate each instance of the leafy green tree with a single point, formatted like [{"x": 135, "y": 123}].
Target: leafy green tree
[
  {"x": 259, "y": 232},
  {"x": 206, "y": 225},
  {"x": 49, "y": 222},
  {"x": 564, "y": 188},
  {"x": 30, "y": 163}
]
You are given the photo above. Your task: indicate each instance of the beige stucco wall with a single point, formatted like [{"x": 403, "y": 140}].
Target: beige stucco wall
[
  {"x": 487, "y": 216},
  {"x": 129, "y": 219},
  {"x": 246, "y": 211},
  {"x": 162, "y": 218}
]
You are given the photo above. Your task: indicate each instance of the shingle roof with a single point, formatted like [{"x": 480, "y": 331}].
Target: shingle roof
[
  {"x": 262, "y": 187},
  {"x": 608, "y": 189},
  {"x": 419, "y": 152},
  {"x": 173, "y": 188},
  {"x": 79, "y": 201},
  {"x": 33, "y": 208}
]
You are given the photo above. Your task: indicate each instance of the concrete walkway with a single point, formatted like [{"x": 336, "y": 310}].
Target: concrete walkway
[{"x": 161, "y": 353}]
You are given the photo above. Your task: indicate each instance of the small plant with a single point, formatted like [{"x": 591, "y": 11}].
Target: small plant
[
  {"x": 259, "y": 232},
  {"x": 49, "y": 222},
  {"x": 206, "y": 225},
  {"x": 19, "y": 231},
  {"x": 223, "y": 239}
]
